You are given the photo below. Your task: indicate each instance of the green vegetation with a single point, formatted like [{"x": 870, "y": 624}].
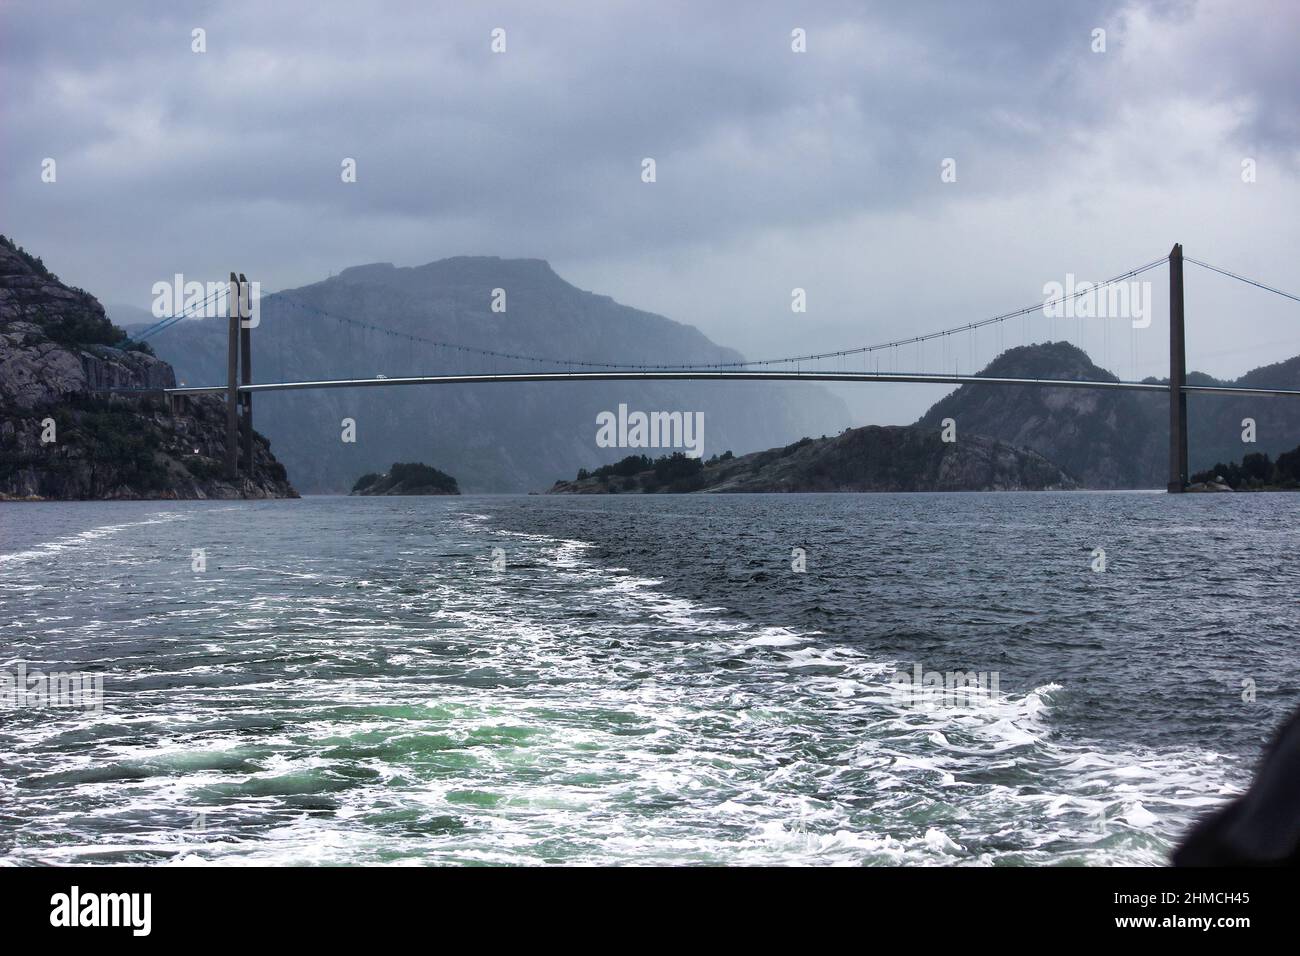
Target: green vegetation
[
  {"x": 666, "y": 468},
  {"x": 407, "y": 478},
  {"x": 84, "y": 328},
  {"x": 631, "y": 465},
  {"x": 101, "y": 440},
  {"x": 675, "y": 473},
  {"x": 204, "y": 469},
  {"x": 34, "y": 261},
  {"x": 115, "y": 442},
  {"x": 414, "y": 474},
  {"x": 676, "y": 466},
  {"x": 75, "y": 326},
  {"x": 1256, "y": 472}
]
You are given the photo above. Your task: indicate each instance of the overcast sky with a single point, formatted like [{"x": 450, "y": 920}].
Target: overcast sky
[{"x": 775, "y": 169}]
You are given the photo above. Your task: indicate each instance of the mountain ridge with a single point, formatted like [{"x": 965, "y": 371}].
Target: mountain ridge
[
  {"x": 1112, "y": 439},
  {"x": 375, "y": 319}
]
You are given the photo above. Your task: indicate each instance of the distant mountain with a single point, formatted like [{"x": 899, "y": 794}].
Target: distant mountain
[
  {"x": 126, "y": 316},
  {"x": 874, "y": 458},
  {"x": 495, "y": 438},
  {"x": 1116, "y": 439},
  {"x": 63, "y": 437}
]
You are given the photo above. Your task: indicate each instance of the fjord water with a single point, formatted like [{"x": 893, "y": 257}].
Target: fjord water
[{"x": 646, "y": 680}]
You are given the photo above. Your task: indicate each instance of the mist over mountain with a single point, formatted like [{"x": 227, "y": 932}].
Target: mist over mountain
[
  {"x": 1116, "y": 439},
  {"x": 493, "y": 437}
]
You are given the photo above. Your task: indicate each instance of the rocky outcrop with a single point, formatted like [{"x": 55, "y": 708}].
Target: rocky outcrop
[
  {"x": 407, "y": 478},
  {"x": 35, "y": 371},
  {"x": 66, "y": 434},
  {"x": 874, "y": 458},
  {"x": 1208, "y": 486}
]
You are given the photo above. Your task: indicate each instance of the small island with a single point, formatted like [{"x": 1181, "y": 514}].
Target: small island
[{"x": 407, "y": 478}]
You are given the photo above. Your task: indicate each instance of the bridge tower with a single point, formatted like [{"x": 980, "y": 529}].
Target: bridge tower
[
  {"x": 232, "y": 386},
  {"x": 246, "y": 368},
  {"x": 239, "y": 356},
  {"x": 1177, "y": 376}
]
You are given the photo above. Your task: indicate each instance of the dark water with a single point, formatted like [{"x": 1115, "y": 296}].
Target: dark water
[{"x": 644, "y": 680}]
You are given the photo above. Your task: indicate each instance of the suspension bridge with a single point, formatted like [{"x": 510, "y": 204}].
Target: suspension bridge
[{"x": 239, "y": 387}]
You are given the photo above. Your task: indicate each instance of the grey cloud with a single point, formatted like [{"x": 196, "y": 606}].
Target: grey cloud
[{"x": 173, "y": 161}]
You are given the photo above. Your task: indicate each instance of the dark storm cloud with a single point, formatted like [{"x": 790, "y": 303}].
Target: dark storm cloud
[{"x": 170, "y": 160}]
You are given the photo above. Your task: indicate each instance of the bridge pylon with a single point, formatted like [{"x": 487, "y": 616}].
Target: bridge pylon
[
  {"x": 232, "y": 385},
  {"x": 239, "y": 367},
  {"x": 1177, "y": 376},
  {"x": 246, "y": 369}
]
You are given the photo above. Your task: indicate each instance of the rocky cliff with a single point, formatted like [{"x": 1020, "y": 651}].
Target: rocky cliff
[
  {"x": 874, "y": 458},
  {"x": 1116, "y": 439},
  {"x": 380, "y": 319},
  {"x": 63, "y": 435}
]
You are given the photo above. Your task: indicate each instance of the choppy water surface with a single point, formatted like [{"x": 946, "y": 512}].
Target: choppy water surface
[{"x": 646, "y": 680}]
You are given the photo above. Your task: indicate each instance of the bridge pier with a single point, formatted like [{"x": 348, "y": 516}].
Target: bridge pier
[{"x": 1177, "y": 376}]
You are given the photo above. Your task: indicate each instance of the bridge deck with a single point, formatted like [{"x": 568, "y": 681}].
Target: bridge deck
[{"x": 721, "y": 376}]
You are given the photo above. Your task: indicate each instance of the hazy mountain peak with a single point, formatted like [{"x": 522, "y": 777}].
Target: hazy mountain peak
[
  {"x": 440, "y": 317},
  {"x": 486, "y": 272},
  {"x": 370, "y": 272}
]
